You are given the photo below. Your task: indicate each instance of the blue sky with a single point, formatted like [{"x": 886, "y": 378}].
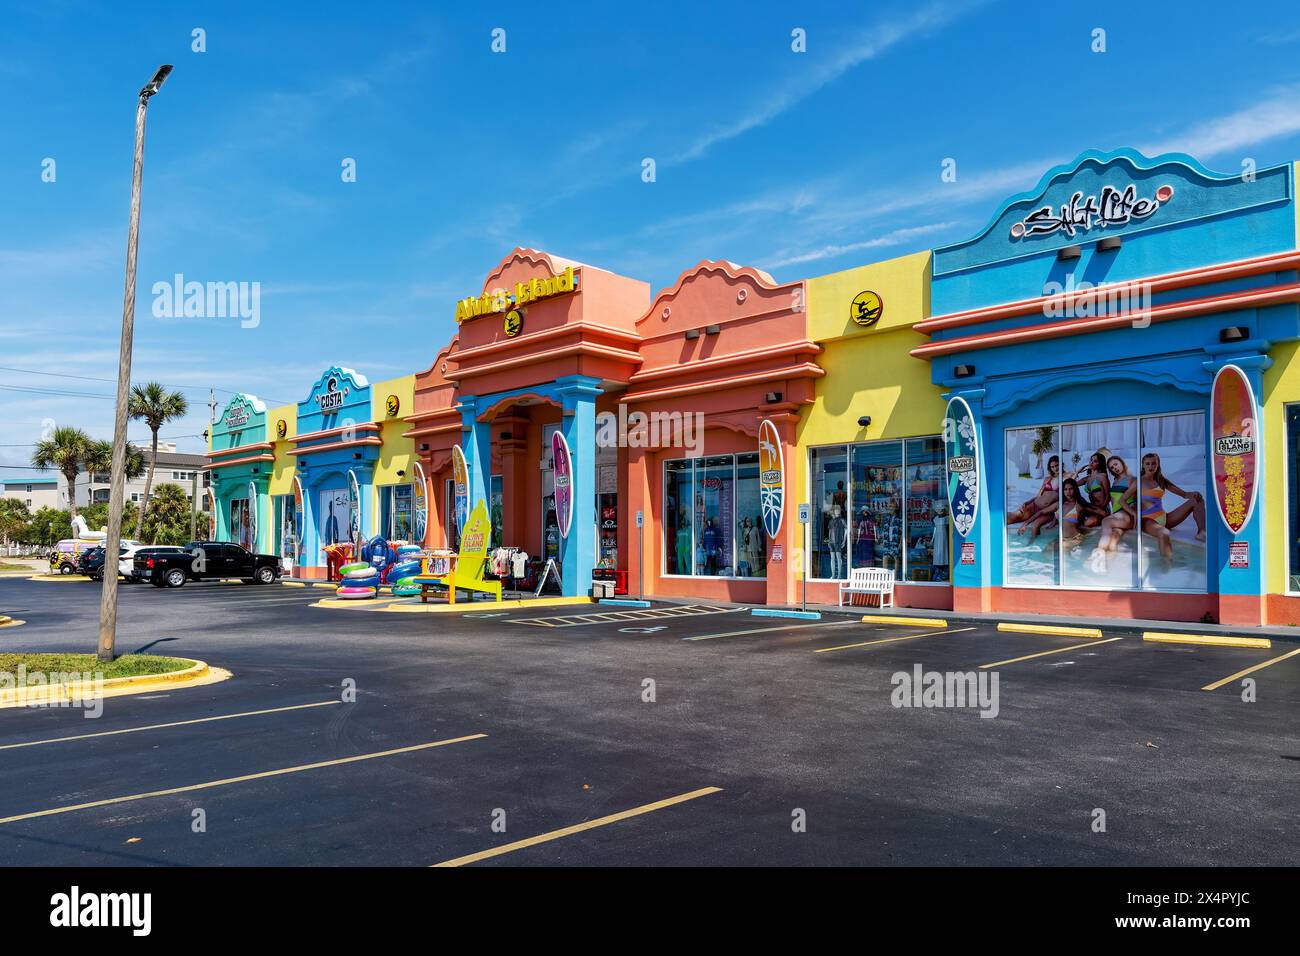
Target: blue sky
[{"x": 797, "y": 163}]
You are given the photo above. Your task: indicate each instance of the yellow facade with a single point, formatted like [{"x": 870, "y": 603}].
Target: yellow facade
[
  {"x": 869, "y": 371},
  {"x": 396, "y": 463},
  {"x": 1281, "y": 385}
]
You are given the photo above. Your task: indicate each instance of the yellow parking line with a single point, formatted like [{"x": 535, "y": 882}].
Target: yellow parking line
[
  {"x": 766, "y": 630},
  {"x": 174, "y": 723},
  {"x": 1250, "y": 670},
  {"x": 243, "y": 779},
  {"x": 1059, "y": 650},
  {"x": 578, "y": 827},
  {"x": 891, "y": 640}
]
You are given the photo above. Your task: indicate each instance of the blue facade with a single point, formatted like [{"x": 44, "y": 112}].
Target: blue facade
[
  {"x": 1127, "y": 374},
  {"x": 576, "y": 395},
  {"x": 336, "y": 441}
]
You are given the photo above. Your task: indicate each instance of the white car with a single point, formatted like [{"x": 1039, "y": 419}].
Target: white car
[{"x": 126, "y": 563}]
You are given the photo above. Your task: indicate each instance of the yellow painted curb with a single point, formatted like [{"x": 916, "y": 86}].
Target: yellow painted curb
[
  {"x": 327, "y": 584},
  {"x": 292, "y": 584},
  {"x": 1212, "y": 640},
  {"x": 352, "y": 604},
  {"x": 199, "y": 673},
  {"x": 908, "y": 621},
  {"x": 515, "y": 604},
  {"x": 1053, "y": 629},
  {"x": 6, "y": 621},
  {"x": 61, "y": 578}
]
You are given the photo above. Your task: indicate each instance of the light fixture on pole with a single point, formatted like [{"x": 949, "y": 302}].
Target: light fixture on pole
[{"x": 117, "y": 492}]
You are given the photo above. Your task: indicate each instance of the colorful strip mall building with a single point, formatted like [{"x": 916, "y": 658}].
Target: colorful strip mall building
[{"x": 1022, "y": 421}]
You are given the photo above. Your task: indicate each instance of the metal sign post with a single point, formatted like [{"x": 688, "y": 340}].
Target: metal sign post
[
  {"x": 640, "y": 556},
  {"x": 803, "y": 561}
]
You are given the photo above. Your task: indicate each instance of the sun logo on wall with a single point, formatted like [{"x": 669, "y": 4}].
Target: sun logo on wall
[
  {"x": 392, "y": 405},
  {"x": 514, "y": 322},
  {"x": 866, "y": 308}
]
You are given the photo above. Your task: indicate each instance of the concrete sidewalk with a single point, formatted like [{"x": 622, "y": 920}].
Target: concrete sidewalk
[{"x": 1109, "y": 624}]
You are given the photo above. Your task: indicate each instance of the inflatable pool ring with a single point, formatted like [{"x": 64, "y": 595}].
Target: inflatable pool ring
[
  {"x": 360, "y": 579},
  {"x": 408, "y": 549},
  {"x": 353, "y": 593},
  {"x": 406, "y": 587},
  {"x": 355, "y": 566},
  {"x": 403, "y": 569}
]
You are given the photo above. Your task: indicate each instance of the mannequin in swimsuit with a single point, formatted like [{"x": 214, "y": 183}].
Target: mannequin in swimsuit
[
  {"x": 1120, "y": 515},
  {"x": 1155, "y": 520},
  {"x": 1045, "y": 498}
]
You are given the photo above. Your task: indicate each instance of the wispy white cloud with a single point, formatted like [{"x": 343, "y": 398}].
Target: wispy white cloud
[
  {"x": 893, "y": 238},
  {"x": 1272, "y": 117},
  {"x": 870, "y": 44}
]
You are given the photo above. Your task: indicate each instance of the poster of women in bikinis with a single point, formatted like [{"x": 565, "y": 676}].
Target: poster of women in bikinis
[
  {"x": 1032, "y": 481},
  {"x": 1107, "y": 504}
]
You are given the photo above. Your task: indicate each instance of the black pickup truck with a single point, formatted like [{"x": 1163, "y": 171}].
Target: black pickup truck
[{"x": 204, "y": 560}]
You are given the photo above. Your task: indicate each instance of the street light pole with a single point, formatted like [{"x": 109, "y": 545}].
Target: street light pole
[{"x": 117, "y": 492}]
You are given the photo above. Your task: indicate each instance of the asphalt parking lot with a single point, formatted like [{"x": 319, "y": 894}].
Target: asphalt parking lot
[{"x": 529, "y": 737}]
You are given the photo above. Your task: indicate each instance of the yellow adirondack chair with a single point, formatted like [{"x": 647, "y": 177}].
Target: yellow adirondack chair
[{"x": 467, "y": 572}]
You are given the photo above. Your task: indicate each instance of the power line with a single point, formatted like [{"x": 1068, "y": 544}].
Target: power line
[{"x": 89, "y": 378}]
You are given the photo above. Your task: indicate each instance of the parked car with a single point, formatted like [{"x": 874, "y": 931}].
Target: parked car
[
  {"x": 203, "y": 561},
  {"x": 66, "y": 556},
  {"x": 126, "y": 564}
]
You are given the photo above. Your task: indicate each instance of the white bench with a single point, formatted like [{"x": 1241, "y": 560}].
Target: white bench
[{"x": 870, "y": 581}]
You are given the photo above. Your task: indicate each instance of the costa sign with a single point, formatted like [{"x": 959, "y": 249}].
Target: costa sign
[
  {"x": 1234, "y": 418},
  {"x": 1110, "y": 207},
  {"x": 771, "y": 477}
]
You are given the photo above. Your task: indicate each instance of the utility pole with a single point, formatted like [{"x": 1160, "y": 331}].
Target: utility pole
[
  {"x": 194, "y": 508},
  {"x": 108, "y": 598}
]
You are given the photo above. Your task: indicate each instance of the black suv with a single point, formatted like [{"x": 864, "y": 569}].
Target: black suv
[
  {"x": 91, "y": 562},
  {"x": 204, "y": 560}
]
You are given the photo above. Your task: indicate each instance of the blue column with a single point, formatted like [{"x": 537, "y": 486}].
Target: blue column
[
  {"x": 476, "y": 441},
  {"x": 578, "y": 551}
]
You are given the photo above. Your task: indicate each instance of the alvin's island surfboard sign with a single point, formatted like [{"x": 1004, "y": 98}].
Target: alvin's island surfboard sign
[
  {"x": 962, "y": 456},
  {"x": 771, "y": 477},
  {"x": 1234, "y": 445}
]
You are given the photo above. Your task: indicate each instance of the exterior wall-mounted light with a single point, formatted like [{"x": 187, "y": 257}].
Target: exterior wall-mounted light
[
  {"x": 1066, "y": 253},
  {"x": 692, "y": 333},
  {"x": 1110, "y": 244}
]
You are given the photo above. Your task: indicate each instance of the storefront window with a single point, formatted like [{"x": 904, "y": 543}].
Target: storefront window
[
  {"x": 751, "y": 539},
  {"x": 829, "y": 534},
  {"x": 927, "y": 511},
  {"x": 678, "y": 526},
  {"x": 877, "y": 511},
  {"x": 496, "y": 510},
  {"x": 1115, "y": 504},
  {"x": 399, "y": 520},
  {"x": 712, "y": 517},
  {"x": 714, "y": 508},
  {"x": 880, "y": 505}
]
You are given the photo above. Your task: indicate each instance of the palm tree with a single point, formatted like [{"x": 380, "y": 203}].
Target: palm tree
[
  {"x": 99, "y": 458},
  {"x": 65, "y": 450},
  {"x": 156, "y": 406}
]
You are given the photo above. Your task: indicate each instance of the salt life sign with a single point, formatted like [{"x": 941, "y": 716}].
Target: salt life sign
[{"x": 1112, "y": 207}]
